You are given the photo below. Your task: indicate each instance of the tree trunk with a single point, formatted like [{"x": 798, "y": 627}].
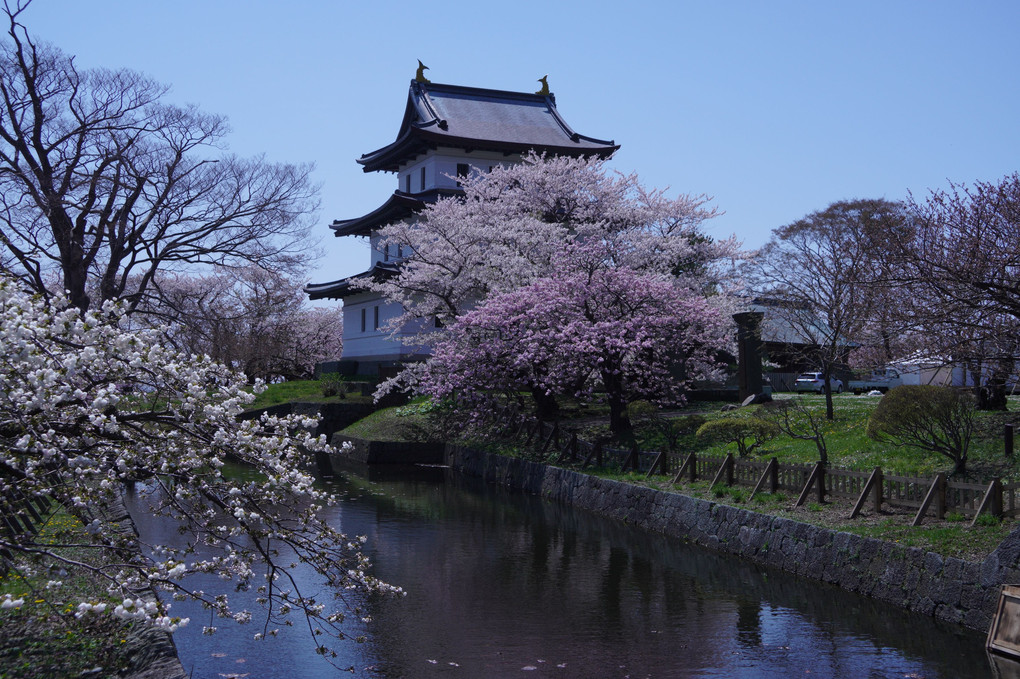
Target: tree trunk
[
  {"x": 830, "y": 413},
  {"x": 546, "y": 407},
  {"x": 992, "y": 396},
  {"x": 619, "y": 421}
]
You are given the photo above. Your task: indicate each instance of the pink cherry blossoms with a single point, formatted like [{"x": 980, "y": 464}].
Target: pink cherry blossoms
[
  {"x": 583, "y": 328},
  {"x": 559, "y": 278}
]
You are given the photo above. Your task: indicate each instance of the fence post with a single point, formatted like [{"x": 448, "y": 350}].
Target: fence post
[
  {"x": 991, "y": 502},
  {"x": 537, "y": 429},
  {"x": 632, "y": 458},
  {"x": 873, "y": 487},
  {"x": 936, "y": 493},
  {"x": 727, "y": 469},
  {"x": 596, "y": 453},
  {"x": 554, "y": 434},
  {"x": 661, "y": 462},
  {"x": 772, "y": 473},
  {"x": 817, "y": 474},
  {"x": 690, "y": 462}
]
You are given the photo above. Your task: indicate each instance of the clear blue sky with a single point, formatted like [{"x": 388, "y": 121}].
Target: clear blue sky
[{"x": 774, "y": 108}]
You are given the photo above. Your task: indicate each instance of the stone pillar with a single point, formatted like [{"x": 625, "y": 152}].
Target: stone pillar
[{"x": 749, "y": 380}]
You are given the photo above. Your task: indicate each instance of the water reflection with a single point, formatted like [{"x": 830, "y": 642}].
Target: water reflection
[{"x": 499, "y": 583}]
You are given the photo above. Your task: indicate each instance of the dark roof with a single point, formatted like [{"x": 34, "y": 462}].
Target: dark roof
[
  {"x": 480, "y": 119},
  {"x": 345, "y": 287},
  {"x": 398, "y": 206}
]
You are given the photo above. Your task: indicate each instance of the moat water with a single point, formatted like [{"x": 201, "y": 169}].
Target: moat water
[{"x": 501, "y": 584}]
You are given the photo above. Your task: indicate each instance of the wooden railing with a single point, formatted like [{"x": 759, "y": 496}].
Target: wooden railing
[
  {"x": 19, "y": 515},
  {"x": 937, "y": 495}
]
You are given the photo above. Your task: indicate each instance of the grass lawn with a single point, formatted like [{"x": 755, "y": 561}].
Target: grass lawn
[
  {"x": 848, "y": 444},
  {"x": 305, "y": 391},
  {"x": 42, "y": 638},
  {"x": 848, "y": 448}
]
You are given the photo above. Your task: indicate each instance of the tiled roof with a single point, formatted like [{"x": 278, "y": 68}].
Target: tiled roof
[
  {"x": 345, "y": 287},
  {"x": 481, "y": 119},
  {"x": 398, "y": 206}
]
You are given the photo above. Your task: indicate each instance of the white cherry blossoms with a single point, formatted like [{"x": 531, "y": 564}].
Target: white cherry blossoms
[{"x": 88, "y": 405}]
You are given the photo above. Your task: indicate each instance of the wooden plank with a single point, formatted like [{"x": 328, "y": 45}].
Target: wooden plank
[
  {"x": 725, "y": 468},
  {"x": 632, "y": 458},
  {"x": 660, "y": 460},
  {"x": 874, "y": 484},
  {"x": 690, "y": 465},
  {"x": 596, "y": 448},
  {"x": 989, "y": 502},
  {"x": 966, "y": 486},
  {"x": 769, "y": 474},
  {"x": 937, "y": 488},
  {"x": 810, "y": 481}
]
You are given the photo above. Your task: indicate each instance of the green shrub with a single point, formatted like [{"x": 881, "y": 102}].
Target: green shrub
[
  {"x": 747, "y": 432},
  {"x": 333, "y": 384},
  {"x": 987, "y": 520},
  {"x": 929, "y": 418}
]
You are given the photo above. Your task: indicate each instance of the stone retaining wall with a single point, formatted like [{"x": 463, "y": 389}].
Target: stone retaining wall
[
  {"x": 332, "y": 416},
  {"x": 948, "y": 588},
  {"x": 150, "y": 653},
  {"x": 386, "y": 452}
]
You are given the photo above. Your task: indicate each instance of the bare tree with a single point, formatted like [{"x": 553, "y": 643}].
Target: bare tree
[
  {"x": 961, "y": 262},
  {"x": 820, "y": 269},
  {"x": 102, "y": 183}
]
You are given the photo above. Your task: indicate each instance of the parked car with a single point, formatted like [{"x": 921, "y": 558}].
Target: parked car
[
  {"x": 813, "y": 382},
  {"x": 880, "y": 380}
]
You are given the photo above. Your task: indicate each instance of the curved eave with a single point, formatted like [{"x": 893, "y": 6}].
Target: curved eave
[
  {"x": 417, "y": 141},
  {"x": 398, "y": 206},
  {"x": 423, "y": 128},
  {"x": 345, "y": 287}
]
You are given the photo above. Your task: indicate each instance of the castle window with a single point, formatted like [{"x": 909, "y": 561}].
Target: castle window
[
  {"x": 462, "y": 171},
  {"x": 423, "y": 179},
  {"x": 362, "y": 319},
  {"x": 375, "y": 321},
  {"x": 407, "y": 183}
]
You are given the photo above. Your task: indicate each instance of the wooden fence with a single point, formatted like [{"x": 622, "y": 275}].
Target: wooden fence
[
  {"x": 937, "y": 496},
  {"x": 19, "y": 515}
]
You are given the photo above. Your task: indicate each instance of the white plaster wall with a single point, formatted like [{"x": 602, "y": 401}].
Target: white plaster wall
[
  {"x": 375, "y": 342},
  {"x": 444, "y": 162},
  {"x": 377, "y": 252}
]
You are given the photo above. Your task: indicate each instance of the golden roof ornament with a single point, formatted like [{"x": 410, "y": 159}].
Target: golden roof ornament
[
  {"x": 420, "y": 75},
  {"x": 545, "y": 85}
]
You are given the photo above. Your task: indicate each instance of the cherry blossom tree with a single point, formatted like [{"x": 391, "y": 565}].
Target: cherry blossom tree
[
  {"x": 252, "y": 319},
  {"x": 583, "y": 329},
  {"x": 103, "y": 184},
  {"x": 87, "y": 405},
  {"x": 513, "y": 223},
  {"x": 961, "y": 264}
]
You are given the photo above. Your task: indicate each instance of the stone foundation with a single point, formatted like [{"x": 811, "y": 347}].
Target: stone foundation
[{"x": 948, "y": 588}]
